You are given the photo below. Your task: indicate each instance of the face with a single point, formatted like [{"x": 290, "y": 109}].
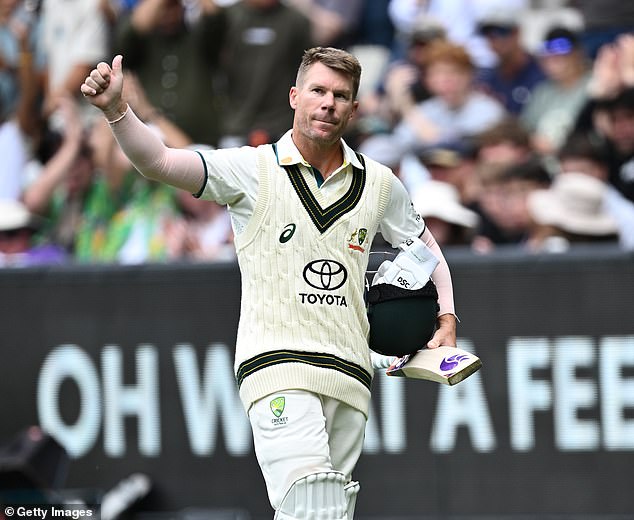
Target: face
[
  {"x": 323, "y": 104},
  {"x": 79, "y": 176},
  {"x": 503, "y": 42},
  {"x": 587, "y": 166},
  {"x": 561, "y": 67},
  {"x": 448, "y": 81},
  {"x": 622, "y": 130},
  {"x": 15, "y": 241}
]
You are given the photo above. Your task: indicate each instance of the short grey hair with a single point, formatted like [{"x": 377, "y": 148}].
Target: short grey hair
[{"x": 336, "y": 59}]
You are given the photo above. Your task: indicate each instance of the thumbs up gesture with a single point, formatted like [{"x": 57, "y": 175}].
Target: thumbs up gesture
[{"x": 103, "y": 88}]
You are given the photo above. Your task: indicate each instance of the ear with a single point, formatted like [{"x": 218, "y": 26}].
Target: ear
[
  {"x": 292, "y": 97},
  {"x": 355, "y": 106}
]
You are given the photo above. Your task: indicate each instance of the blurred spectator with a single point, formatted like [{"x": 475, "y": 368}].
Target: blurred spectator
[
  {"x": 609, "y": 113},
  {"x": 456, "y": 110},
  {"x": 517, "y": 71},
  {"x": 451, "y": 223},
  {"x": 205, "y": 232},
  {"x": 506, "y": 142},
  {"x": 453, "y": 165},
  {"x": 385, "y": 149},
  {"x": 458, "y": 17},
  {"x": 135, "y": 95},
  {"x": 18, "y": 36},
  {"x": 65, "y": 188},
  {"x": 75, "y": 37},
  {"x": 176, "y": 62},
  {"x": 18, "y": 247},
  {"x": 556, "y": 102},
  {"x": 375, "y": 26},
  {"x": 125, "y": 217},
  {"x": 571, "y": 211},
  {"x": 603, "y": 22},
  {"x": 264, "y": 42},
  {"x": 333, "y": 22},
  {"x": 388, "y": 151},
  {"x": 60, "y": 188},
  {"x": 402, "y": 83},
  {"x": 21, "y": 126},
  {"x": 621, "y": 139},
  {"x": 503, "y": 204},
  {"x": 582, "y": 154},
  {"x": 373, "y": 43}
]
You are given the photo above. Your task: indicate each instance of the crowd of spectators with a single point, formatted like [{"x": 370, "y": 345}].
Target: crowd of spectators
[{"x": 501, "y": 142}]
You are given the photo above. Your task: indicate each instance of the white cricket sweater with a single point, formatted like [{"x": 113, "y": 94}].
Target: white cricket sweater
[{"x": 303, "y": 260}]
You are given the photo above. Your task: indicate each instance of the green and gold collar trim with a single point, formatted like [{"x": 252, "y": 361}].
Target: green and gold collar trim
[{"x": 323, "y": 218}]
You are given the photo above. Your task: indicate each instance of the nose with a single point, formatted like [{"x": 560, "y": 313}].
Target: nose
[{"x": 328, "y": 100}]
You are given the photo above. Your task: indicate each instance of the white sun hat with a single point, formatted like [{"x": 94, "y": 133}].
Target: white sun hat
[
  {"x": 14, "y": 215},
  {"x": 441, "y": 200},
  {"x": 574, "y": 203}
]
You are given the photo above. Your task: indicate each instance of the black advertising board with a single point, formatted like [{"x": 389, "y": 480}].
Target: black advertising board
[{"x": 131, "y": 369}]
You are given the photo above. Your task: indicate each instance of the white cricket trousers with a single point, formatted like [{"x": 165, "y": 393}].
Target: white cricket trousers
[{"x": 297, "y": 433}]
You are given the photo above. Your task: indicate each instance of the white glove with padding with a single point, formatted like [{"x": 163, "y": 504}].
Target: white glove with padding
[
  {"x": 408, "y": 274},
  {"x": 412, "y": 267}
]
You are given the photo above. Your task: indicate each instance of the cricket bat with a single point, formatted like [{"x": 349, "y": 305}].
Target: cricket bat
[{"x": 446, "y": 365}]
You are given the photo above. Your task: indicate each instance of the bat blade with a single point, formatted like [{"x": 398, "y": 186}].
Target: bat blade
[{"x": 446, "y": 365}]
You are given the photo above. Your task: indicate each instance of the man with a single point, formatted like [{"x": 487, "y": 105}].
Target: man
[
  {"x": 557, "y": 101},
  {"x": 517, "y": 72},
  {"x": 304, "y": 213},
  {"x": 176, "y": 63}
]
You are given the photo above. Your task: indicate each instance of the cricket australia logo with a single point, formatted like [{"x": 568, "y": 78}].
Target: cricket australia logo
[
  {"x": 357, "y": 239},
  {"x": 277, "y": 407},
  {"x": 324, "y": 275}
]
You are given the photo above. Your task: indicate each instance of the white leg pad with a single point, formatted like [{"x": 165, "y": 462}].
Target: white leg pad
[
  {"x": 351, "y": 490},
  {"x": 319, "y": 496}
]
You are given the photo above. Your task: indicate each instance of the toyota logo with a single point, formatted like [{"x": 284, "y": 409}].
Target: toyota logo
[{"x": 325, "y": 274}]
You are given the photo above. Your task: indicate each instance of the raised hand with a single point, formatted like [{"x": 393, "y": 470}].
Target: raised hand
[
  {"x": 626, "y": 59},
  {"x": 103, "y": 88},
  {"x": 606, "y": 80}
]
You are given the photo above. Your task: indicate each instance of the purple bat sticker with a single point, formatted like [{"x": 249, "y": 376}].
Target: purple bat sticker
[{"x": 451, "y": 362}]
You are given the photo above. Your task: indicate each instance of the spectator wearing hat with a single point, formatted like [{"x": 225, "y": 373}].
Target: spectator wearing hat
[
  {"x": 583, "y": 154},
  {"x": 18, "y": 246},
  {"x": 453, "y": 164},
  {"x": 551, "y": 113},
  {"x": 517, "y": 72},
  {"x": 439, "y": 204},
  {"x": 571, "y": 211}
]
